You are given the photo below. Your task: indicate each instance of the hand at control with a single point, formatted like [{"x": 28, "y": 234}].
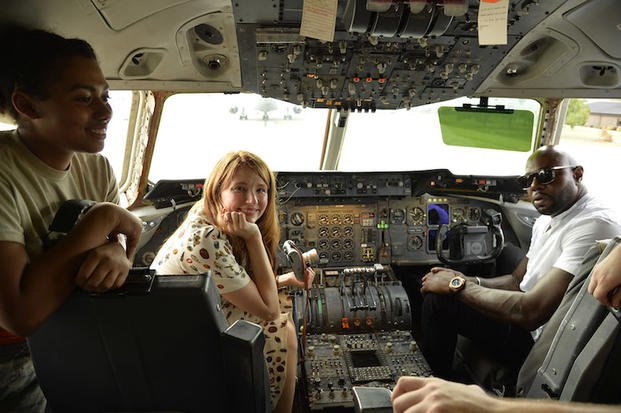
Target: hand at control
[
  {"x": 430, "y": 394},
  {"x": 289, "y": 279}
]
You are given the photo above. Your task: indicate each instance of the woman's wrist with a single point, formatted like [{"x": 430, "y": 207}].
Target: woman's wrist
[{"x": 253, "y": 236}]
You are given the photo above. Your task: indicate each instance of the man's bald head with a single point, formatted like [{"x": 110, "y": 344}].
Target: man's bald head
[
  {"x": 559, "y": 188},
  {"x": 555, "y": 154}
]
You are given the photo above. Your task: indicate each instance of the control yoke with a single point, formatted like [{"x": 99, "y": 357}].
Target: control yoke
[
  {"x": 298, "y": 260},
  {"x": 471, "y": 244}
]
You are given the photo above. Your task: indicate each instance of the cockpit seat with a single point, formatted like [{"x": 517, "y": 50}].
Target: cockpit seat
[
  {"x": 161, "y": 343},
  {"x": 583, "y": 358},
  {"x": 572, "y": 358}
]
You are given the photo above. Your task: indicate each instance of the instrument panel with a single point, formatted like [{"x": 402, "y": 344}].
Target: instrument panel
[
  {"x": 358, "y": 321},
  {"x": 404, "y": 55},
  {"x": 335, "y": 363},
  {"x": 398, "y": 231},
  {"x": 356, "y": 218}
]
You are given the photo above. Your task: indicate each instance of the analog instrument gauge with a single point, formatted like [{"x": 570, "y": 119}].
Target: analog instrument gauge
[
  {"x": 416, "y": 216},
  {"x": 336, "y": 256},
  {"x": 415, "y": 242},
  {"x": 323, "y": 232},
  {"x": 348, "y": 244},
  {"x": 296, "y": 235},
  {"x": 335, "y": 232},
  {"x": 335, "y": 220},
  {"x": 397, "y": 216},
  {"x": 459, "y": 215},
  {"x": 474, "y": 214},
  {"x": 348, "y": 231},
  {"x": 348, "y": 256},
  {"x": 323, "y": 219},
  {"x": 323, "y": 244},
  {"x": 335, "y": 244},
  {"x": 348, "y": 219},
  {"x": 297, "y": 218}
]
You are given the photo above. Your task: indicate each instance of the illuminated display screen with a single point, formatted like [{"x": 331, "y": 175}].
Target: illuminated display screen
[
  {"x": 437, "y": 214},
  {"x": 364, "y": 359}
]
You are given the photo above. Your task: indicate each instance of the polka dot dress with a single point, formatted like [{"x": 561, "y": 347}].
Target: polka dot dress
[{"x": 198, "y": 246}]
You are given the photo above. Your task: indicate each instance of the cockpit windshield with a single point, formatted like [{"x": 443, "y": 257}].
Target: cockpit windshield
[{"x": 200, "y": 128}]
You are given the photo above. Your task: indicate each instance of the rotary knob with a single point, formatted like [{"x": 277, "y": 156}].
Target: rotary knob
[{"x": 336, "y": 349}]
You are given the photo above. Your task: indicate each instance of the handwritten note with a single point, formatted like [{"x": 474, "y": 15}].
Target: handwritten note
[
  {"x": 319, "y": 19},
  {"x": 493, "y": 22}
]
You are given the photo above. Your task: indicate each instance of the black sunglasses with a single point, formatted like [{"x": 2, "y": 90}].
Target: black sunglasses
[{"x": 544, "y": 176}]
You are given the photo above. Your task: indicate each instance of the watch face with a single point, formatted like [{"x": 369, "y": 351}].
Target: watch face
[{"x": 457, "y": 283}]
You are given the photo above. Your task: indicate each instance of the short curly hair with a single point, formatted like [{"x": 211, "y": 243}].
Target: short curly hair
[{"x": 32, "y": 59}]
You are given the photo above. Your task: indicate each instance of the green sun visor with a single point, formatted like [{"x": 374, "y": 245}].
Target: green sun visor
[{"x": 490, "y": 127}]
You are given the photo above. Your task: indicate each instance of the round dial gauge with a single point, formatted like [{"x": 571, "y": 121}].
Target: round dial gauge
[
  {"x": 397, "y": 216},
  {"x": 297, "y": 218},
  {"x": 458, "y": 215},
  {"x": 416, "y": 216},
  {"x": 415, "y": 242},
  {"x": 323, "y": 232},
  {"x": 474, "y": 214}
]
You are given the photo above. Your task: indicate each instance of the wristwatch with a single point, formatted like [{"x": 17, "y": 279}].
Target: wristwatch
[{"x": 457, "y": 284}]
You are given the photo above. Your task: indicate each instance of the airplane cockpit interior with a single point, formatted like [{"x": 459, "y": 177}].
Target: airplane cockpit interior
[{"x": 372, "y": 207}]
